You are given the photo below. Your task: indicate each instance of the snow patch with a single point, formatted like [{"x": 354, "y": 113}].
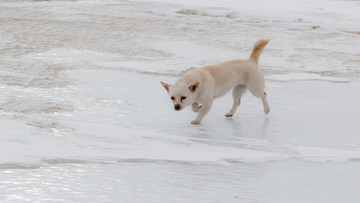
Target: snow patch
[
  {"x": 303, "y": 76},
  {"x": 189, "y": 50},
  {"x": 73, "y": 56}
]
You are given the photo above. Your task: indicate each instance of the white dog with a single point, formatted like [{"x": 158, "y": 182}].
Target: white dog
[{"x": 202, "y": 86}]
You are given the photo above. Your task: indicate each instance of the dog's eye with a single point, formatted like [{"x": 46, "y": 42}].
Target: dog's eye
[
  {"x": 182, "y": 98},
  {"x": 172, "y": 98}
]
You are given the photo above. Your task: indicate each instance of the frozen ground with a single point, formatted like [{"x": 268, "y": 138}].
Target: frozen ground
[{"x": 83, "y": 116}]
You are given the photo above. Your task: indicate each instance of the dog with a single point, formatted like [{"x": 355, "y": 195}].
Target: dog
[{"x": 199, "y": 87}]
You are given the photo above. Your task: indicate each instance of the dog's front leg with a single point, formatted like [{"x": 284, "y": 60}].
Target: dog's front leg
[
  {"x": 195, "y": 107},
  {"x": 205, "y": 108}
]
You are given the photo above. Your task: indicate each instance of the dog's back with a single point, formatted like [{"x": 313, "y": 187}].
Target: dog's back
[{"x": 229, "y": 74}]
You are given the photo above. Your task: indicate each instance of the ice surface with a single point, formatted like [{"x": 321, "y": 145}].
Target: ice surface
[{"x": 83, "y": 116}]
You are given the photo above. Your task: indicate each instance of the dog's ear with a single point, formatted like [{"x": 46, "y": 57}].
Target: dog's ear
[
  {"x": 166, "y": 86},
  {"x": 194, "y": 87}
]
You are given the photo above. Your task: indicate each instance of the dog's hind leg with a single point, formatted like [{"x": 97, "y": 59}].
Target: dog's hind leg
[
  {"x": 265, "y": 103},
  {"x": 257, "y": 89},
  {"x": 237, "y": 93}
]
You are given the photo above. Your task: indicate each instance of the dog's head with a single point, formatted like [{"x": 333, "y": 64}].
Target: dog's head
[{"x": 181, "y": 95}]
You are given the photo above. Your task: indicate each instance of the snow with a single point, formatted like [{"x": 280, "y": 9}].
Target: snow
[
  {"x": 304, "y": 76},
  {"x": 83, "y": 116},
  {"x": 324, "y": 11}
]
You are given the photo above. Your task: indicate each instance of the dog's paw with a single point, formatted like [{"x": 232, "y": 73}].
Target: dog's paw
[
  {"x": 267, "y": 110},
  {"x": 195, "y": 122},
  {"x": 229, "y": 115}
]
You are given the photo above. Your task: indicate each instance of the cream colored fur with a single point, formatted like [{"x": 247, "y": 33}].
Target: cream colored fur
[{"x": 200, "y": 87}]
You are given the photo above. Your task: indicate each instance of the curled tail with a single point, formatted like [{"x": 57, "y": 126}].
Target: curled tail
[{"x": 258, "y": 48}]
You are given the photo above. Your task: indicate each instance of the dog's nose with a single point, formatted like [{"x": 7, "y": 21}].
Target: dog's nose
[{"x": 177, "y": 107}]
